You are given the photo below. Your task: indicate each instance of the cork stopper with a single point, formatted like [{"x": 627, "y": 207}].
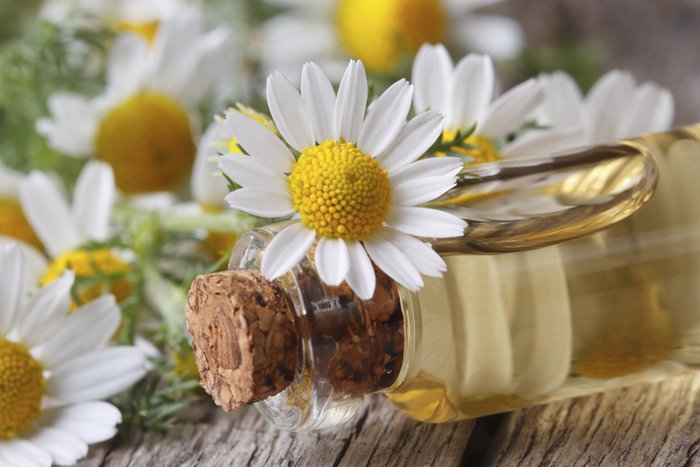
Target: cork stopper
[{"x": 243, "y": 336}]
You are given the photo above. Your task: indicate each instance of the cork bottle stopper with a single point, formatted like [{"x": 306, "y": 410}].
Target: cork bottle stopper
[{"x": 243, "y": 336}]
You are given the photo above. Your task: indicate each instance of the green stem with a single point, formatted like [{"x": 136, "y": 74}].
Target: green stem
[{"x": 231, "y": 221}]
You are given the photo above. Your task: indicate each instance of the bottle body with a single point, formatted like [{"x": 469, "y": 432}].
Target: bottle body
[
  {"x": 605, "y": 300},
  {"x": 606, "y": 310}
]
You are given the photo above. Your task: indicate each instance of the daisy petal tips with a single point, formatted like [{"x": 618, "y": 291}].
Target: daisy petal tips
[{"x": 356, "y": 187}]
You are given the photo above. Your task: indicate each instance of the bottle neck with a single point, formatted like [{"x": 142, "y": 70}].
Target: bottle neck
[{"x": 347, "y": 347}]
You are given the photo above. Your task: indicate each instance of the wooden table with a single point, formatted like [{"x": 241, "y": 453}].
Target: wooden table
[
  {"x": 644, "y": 425},
  {"x": 652, "y": 424}
]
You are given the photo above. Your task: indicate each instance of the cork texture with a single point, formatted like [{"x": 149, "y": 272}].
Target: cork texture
[{"x": 243, "y": 336}]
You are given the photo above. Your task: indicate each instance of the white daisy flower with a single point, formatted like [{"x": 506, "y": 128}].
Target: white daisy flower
[
  {"x": 65, "y": 227},
  {"x": 55, "y": 369},
  {"x": 464, "y": 93},
  {"x": 356, "y": 185},
  {"x": 615, "y": 108},
  {"x": 138, "y": 16},
  {"x": 14, "y": 226},
  {"x": 144, "y": 123},
  {"x": 380, "y": 33}
]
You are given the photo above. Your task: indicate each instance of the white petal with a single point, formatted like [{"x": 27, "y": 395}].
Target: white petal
[
  {"x": 432, "y": 77},
  {"x": 351, "y": 102},
  {"x": 263, "y": 203},
  {"x": 385, "y": 119},
  {"x": 393, "y": 262},
  {"x": 35, "y": 262},
  {"x": 207, "y": 185},
  {"x": 286, "y": 250},
  {"x": 40, "y": 316},
  {"x": 260, "y": 142},
  {"x": 426, "y": 222},
  {"x": 93, "y": 422},
  {"x": 89, "y": 328},
  {"x": 472, "y": 91},
  {"x": 652, "y": 111},
  {"x": 431, "y": 167},
  {"x": 287, "y": 41},
  {"x": 97, "y": 375},
  {"x": 129, "y": 64},
  {"x": 47, "y": 211},
  {"x": 317, "y": 92},
  {"x": 498, "y": 36},
  {"x": 22, "y": 453},
  {"x": 73, "y": 125},
  {"x": 332, "y": 260},
  {"x": 360, "y": 277},
  {"x": 419, "y": 253},
  {"x": 414, "y": 139},
  {"x": 512, "y": 109},
  {"x": 289, "y": 112},
  {"x": 422, "y": 190},
  {"x": 251, "y": 172},
  {"x": 563, "y": 102},
  {"x": 93, "y": 199},
  {"x": 65, "y": 447},
  {"x": 13, "y": 286},
  {"x": 607, "y": 105}
]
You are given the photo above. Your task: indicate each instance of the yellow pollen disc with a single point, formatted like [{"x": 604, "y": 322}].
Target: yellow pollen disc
[
  {"x": 148, "y": 142},
  {"x": 339, "y": 191},
  {"x": 21, "y": 389},
  {"x": 485, "y": 150},
  {"x": 147, "y": 29},
  {"x": 14, "y": 224},
  {"x": 378, "y": 32},
  {"x": 102, "y": 265}
]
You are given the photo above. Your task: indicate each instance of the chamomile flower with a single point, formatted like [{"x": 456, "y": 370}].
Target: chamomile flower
[
  {"x": 615, "y": 108},
  {"x": 137, "y": 16},
  {"x": 356, "y": 185},
  {"x": 144, "y": 123},
  {"x": 464, "y": 93},
  {"x": 55, "y": 369},
  {"x": 380, "y": 33},
  {"x": 65, "y": 227}
]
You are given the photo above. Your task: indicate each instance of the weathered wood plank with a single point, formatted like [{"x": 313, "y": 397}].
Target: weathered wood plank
[
  {"x": 650, "y": 424},
  {"x": 379, "y": 435}
]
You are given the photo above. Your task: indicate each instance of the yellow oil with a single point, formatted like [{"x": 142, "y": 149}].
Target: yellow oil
[{"x": 605, "y": 310}]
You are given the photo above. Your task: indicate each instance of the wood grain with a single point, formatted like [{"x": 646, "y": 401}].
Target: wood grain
[
  {"x": 378, "y": 435},
  {"x": 648, "y": 424}
]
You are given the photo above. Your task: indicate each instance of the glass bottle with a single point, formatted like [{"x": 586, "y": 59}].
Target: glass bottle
[{"x": 597, "y": 289}]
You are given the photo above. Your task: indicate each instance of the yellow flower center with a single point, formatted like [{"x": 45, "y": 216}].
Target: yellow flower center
[
  {"x": 14, "y": 224},
  {"x": 21, "y": 389},
  {"x": 484, "y": 151},
  {"x": 148, "y": 142},
  {"x": 97, "y": 272},
  {"x": 339, "y": 191},
  {"x": 147, "y": 29},
  {"x": 377, "y": 32}
]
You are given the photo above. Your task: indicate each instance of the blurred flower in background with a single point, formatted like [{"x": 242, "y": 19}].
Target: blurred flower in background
[
  {"x": 383, "y": 34},
  {"x": 146, "y": 116}
]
